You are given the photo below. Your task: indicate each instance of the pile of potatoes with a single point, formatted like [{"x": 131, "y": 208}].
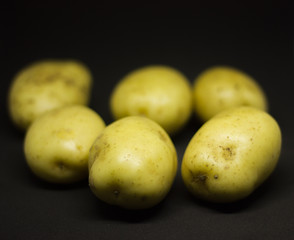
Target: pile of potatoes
[{"x": 132, "y": 162}]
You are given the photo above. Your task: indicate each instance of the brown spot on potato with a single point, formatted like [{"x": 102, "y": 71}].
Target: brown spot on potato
[
  {"x": 162, "y": 136},
  {"x": 60, "y": 165},
  {"x": 228, "y": 152},
  {"x": 116, "y": 193},
  {"x": 199, "y": 177}
]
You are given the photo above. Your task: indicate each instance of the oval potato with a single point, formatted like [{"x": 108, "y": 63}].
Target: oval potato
[
  {"x": 220, "y": 88},
  {"x": 160, "y": 93},
  {"x": 45, "y": 85},
  {"x": 231, "y": 155},
  {"x": 132, "y": 163},
  {"x": 57, "y": 143}
]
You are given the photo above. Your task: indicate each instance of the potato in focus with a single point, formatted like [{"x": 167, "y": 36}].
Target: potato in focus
[
  {"x": 231, "y": 155},
  {"x": 132, "y": 164}
]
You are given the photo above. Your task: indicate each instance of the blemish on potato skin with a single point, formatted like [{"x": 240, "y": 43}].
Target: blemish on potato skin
[
  {"x": 199, "y": 177},
  {"x": 228, "y": 152},
  {"x": 162, "y": 136},
  {"x": 116, "y": 193},
  {"x": 60, "y": 165}
]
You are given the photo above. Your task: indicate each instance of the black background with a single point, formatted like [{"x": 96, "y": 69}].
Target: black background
[{"x": 112, "y": 39}]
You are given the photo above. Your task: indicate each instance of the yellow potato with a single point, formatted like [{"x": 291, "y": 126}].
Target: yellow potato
[
  {"x": 46, "y": 85},
  {"x": 221, "y": 88},
  {"x": 57, "y": 143},
  {"x": 231, "y": 155},
  {"x": 160, "y": 93},
  {"x": 132, "y": 164}
]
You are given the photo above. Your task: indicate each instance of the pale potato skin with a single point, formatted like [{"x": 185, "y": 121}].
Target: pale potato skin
[
  {"x": 132, "y": 164},
  {"x": 231, "y": 155},
  {"x": 57, "y": 143},
  {"x": 160, "y": 93},
  {"x": 220, "y": 88},
  {"x": 45, "y": 85}
]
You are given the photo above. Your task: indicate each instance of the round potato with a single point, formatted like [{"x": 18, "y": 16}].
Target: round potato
[
  {"x": 160, "y": 93},
  {"x": 231, "y": 155},
  {"x": 57, "y": 143},
  {"x": 46, "y": 85},
  {"x": 132, "y": 163},
  {"x": 221, "y": 88}
]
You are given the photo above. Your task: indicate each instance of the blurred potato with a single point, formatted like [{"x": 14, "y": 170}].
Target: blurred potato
[
  {"x": 220, "y": 88},
  {"x": 46, "y": 85},
  {"x": 160, "y": 93},
  {"x": 57, "y": 143}
]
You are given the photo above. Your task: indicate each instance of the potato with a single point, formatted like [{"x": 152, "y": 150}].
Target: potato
[
  {"x": 46, "y": 85},
  {"x": 221, "y": 88},
  {"x": 132, "y": 164},
  {"x": 57, "y": 143},
  {"x": 160, "y": 93},
  {"x": 231, "y": 155}
]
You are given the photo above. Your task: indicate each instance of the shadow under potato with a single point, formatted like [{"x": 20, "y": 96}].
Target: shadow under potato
[
  {"x": 254, "y": 200},
  {"x": 40, "y": 183},
  {"x": 105, "y": 211}
]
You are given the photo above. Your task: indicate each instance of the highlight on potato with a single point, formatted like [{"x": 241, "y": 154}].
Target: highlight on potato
[
  {"x": 57, "y": 143},
  {"x": 132, "y": 164},
  {"x": 45, "y": 85},
  {"x": 219, "y": 88},
  {"x": 231, "y": 155},
  {"x": 158, "y": 92}
]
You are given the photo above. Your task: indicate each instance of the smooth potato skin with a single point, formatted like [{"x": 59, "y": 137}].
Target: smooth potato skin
[
  {"x": 160, "y": 93},
  {"x": 132, "y": 164},
  {"x": 45, "y": 85},
  {"x": 57, "y": 143},
  {"x": 231, "y": 155},
  {"x": 220, "y": 88}
]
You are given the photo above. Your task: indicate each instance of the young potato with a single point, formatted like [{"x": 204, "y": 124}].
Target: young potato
[
  {"x": 132, "y": 164},
  {"x": 160, "y": 93},
  {"x": 221, "y": 88},
  {"x": 231, "y": 155},
  {"x": 46, "y": 85},
  {"x": 57, "y": 143}
]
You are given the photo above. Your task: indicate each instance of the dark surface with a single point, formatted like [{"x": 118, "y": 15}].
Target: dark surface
[{"x": 254, "y": 37}]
